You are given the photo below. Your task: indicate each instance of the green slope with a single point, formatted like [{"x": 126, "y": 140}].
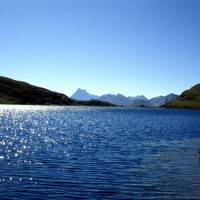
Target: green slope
[{"x": 188, "y": 99}]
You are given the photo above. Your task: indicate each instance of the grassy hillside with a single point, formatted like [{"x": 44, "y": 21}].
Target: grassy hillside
[
  {"x": 188, "y": 99},
  {"x": 17, "y": 92}
]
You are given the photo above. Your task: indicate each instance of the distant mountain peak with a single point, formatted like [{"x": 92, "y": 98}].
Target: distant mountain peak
[
  {"x": 162, "y": 100},
  {"x": 120, "y": 95},
  {"x": 82, "y": 94},
  {"x": 81, "y": 90},
  {"x": 138, "y": 97},
  {"x": 171, "y": 94}
]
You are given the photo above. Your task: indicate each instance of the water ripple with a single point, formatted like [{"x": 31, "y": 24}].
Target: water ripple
[{"x": 98, "y": 153}]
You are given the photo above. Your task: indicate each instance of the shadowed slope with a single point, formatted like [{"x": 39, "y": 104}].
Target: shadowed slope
[{"x": 17, "y": 92}]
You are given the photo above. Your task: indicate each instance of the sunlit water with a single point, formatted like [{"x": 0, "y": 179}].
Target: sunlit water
[{"x": 99, "y": 153}]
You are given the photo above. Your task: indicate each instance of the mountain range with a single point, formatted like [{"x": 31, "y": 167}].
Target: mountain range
[
  {"x": 120, "y": 99},
  {"x": 17, "y": 92}
]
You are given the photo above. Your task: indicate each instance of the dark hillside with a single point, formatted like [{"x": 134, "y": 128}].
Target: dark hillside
[{"x": 17, "y": 92}]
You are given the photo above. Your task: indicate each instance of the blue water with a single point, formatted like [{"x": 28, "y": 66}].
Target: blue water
[{"x": 99, "y": 153}]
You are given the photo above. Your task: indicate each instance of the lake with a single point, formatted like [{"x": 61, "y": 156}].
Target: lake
[{"x": 99, "y": 153}]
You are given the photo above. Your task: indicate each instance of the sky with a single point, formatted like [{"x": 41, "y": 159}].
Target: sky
[{"x": 133, "y": 47}]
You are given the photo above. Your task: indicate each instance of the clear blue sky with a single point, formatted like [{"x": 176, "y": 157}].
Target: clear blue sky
[{"x": 149, "y": 47}]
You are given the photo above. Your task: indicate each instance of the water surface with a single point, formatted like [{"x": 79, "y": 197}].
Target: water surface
[{"x": 98, "y": 153}]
